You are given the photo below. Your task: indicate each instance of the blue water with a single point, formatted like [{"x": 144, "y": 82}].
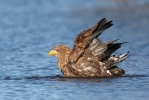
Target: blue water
[{"x": 30, "y": 28}]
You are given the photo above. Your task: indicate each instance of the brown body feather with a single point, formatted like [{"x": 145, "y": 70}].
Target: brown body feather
[{"x": 89, "y": 57}]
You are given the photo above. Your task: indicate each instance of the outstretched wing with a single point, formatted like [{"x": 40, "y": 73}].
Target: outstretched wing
[
  {"x": 91, "y": 57},
  {"x": 85, "y": 38}
]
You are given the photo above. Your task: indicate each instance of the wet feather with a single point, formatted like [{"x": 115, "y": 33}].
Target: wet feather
[{"x": 90, "y": 57}]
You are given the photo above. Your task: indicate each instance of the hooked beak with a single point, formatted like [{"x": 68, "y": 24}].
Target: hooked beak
[{"x": 52, "y": 53}]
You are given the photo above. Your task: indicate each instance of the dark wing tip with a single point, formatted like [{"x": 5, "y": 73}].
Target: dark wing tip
[
  {"x": 108, "y": 24},
  {"x": 124, "y": 42},
  {"x": 102, "y": 20},
  {"x": 113, "y": 40},
  {"x": 102, "y": 25}
]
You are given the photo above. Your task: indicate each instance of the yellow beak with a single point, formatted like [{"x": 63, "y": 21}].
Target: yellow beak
[{"x": 52, "y": 52}]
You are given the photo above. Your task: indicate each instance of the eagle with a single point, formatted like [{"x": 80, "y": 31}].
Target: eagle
[{"x": 89, "y": 57}]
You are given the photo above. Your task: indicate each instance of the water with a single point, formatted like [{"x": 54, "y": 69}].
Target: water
[{"x": 30, "y": 28}]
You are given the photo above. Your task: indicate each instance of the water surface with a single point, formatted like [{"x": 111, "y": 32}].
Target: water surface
[{"x": 30, "y": 28}]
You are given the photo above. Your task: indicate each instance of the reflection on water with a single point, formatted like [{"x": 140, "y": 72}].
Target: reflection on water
[{"x": 30, "y": 28}]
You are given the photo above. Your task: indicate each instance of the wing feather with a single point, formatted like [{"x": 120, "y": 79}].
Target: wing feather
[
  {"x": 85, "y": 38},
  {"x": 89, "y": 56}
]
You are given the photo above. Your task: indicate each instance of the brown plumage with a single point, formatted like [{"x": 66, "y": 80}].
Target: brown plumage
[{"x": 90, "y": 57}]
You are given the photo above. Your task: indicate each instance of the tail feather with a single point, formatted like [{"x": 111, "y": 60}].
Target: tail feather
[
  {"x": 120, "y": 58},
  {"x": 114, "y": 60}
]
